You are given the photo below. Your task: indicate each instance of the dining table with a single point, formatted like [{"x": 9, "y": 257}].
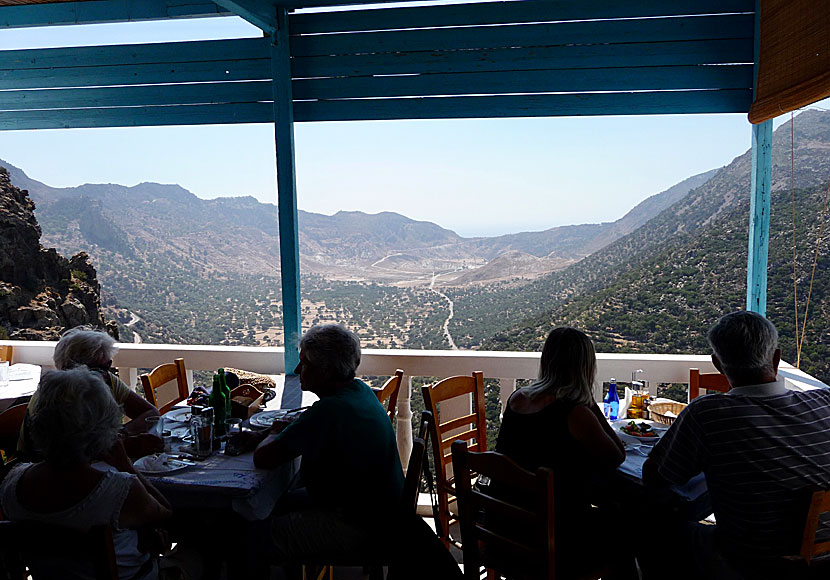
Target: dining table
[
  {"x": 23, "y": 381},
  {"x": 688, "y": 501},
  {"x": 220, "y": 481}
]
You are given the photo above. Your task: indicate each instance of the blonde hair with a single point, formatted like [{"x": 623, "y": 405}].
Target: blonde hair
[{"x": 568, "y": 367}]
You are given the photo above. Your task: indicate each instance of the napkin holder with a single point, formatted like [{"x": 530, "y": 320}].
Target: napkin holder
[{"x": 245, "y": 401}]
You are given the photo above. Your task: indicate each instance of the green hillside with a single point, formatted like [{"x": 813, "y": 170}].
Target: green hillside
[{"x": 661, "y": 287}]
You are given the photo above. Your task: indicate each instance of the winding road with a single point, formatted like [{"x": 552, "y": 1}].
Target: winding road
[
  {"x": 447, "y": 321},
  {"x": 135, "y": 318}
]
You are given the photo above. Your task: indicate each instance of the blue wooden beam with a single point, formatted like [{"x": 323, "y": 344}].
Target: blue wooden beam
[
  {"x": 260, "y": 14},
  {"x": 759, "y": 209},
  {"x": 760, "y": 200},
  {"x": 286, "y": 191},
  {"x": 70, "y": 13}
]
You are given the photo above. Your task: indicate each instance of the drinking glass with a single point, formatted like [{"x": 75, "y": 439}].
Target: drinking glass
[
  {"x": 155, "y": 425},
  {"x": 4, "y": 374},
  {"x": 234, "y": 425}
]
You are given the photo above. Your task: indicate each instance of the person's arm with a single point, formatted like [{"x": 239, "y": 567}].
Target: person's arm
[
  {"x": 651, "y": 474},
  {"x": 588, "y": 428},
  {"x": 273, "y": 452},
  {"x": 138, "y": 409},
  {"x": 118, "y": 458}
]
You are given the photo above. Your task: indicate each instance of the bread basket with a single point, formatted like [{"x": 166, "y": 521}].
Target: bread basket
[{"x": 657, "y": 411}]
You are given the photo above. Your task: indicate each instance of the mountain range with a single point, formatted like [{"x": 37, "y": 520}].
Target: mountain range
[
  {"x": 660, "y": 287},
  {"x": 240, "y": 234}
]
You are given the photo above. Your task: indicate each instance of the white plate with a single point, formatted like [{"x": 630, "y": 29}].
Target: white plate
[
  {"x": 267, "y": 418},
  {"x": 658, "y": 428},
  {"x": 171, "y": 466},
  {"x": 178, "y": 415}
]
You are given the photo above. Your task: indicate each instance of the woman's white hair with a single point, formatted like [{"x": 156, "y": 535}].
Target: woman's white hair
[
  {"x": 83, "y": 345},
  {"x": 332, "y": 349},
  {"x": 75, "y": 417}
]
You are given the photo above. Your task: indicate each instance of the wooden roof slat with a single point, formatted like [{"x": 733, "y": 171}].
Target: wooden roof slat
[
  {"x": 513, "y": 12},
  {"x": 558, "y": 34}
]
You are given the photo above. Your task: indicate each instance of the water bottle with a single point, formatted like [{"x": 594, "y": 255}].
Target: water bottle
[{"x": 611, "y": 403}]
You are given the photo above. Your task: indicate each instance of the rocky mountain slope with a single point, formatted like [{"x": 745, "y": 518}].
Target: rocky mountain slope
[
  {"x": 41, "y": 292},
  {"x": 659, "y": 288}
]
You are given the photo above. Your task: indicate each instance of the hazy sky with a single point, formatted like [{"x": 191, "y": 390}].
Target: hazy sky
[{"x": 477, "y": 177}]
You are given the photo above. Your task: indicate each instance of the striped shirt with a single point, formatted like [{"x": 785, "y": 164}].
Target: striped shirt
[{"x": 764, "y": 449}]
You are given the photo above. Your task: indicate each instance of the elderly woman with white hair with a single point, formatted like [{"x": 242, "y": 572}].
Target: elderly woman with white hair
[
  {"x": 76, "y": 421},
  {"x": 94, "y": 349}
]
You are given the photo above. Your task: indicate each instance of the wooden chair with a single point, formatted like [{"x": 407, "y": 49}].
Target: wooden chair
[
  {"x": 819, "y": 504},
  {"x": 6, "y": 353},
  {"x": 10, "y": 422},
  {"x": 158, "y": 378},
  {"x": 388, "y": 393},
  {"x": 444, "y": 433},
  {"x": 23, "y": 545},
  {"x": 708, "y": 381},
  {"x": 527, "y": 554}
]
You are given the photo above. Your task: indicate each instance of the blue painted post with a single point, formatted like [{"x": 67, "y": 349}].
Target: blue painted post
[
  {"x": 759, "y": 203},
  {"x": 759, "y": 208},
  {"x": 286, "y": 190}
]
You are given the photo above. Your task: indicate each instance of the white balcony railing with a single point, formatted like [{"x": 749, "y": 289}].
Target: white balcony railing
[{"x": 507, "y": 367}]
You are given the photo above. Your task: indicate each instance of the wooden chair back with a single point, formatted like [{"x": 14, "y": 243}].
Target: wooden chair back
[
  {"x": 6, "y": 353},
  {"x": 157, "y": 380},
  {"x": 388, "y": 393},
  {"x": 415, "y": 467},
  {"x": 470, "y": 428},
  {"x": 513, "y": 540},
  {"x": 819, "y": 504},
  {"x": 10, "y": 422},
  {"x": 708, "y": 381},
  {"x": 24, "y": 544}
]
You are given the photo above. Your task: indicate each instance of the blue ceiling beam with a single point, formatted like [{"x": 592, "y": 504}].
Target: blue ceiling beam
[
  {"x": 70, "y": 13},
  {"x": 263, "y": 15}
]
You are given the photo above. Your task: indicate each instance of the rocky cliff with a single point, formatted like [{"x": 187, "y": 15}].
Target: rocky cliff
[{"x": 41, "y": 292}]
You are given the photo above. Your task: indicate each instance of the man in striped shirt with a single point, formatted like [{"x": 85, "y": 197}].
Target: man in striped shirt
[{"x": 762, "y": 448}]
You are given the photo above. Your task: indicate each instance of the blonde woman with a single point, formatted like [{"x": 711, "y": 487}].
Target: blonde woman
[{"x": 555, "y": 423}]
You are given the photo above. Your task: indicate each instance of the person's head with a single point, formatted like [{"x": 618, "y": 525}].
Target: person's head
[
  {"x": 568, "y": 366},
  {"x": 329, "y": 357},
  {"x": 74, "y": 418},
  {"x": 745, "y": 348},
  {"x": 86, "y": 346}
]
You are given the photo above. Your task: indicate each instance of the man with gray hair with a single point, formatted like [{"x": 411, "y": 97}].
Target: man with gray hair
[
  {"x": 763, "y": 449},
  {"x": 351, "y": 473}
]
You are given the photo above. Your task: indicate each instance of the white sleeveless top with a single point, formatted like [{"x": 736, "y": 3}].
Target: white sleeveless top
[{"x": 102, "y": 506}]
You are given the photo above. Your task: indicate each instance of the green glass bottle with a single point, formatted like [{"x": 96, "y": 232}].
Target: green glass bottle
[
  {"x": 217, "y": 401},
  {"x": 226, "y": 393}
]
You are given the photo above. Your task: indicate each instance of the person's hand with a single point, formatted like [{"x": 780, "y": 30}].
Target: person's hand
[
  {"x": 117, "y": 457},
  {"x": 143, "y": 444},
  {"x": 278, "y": 426}
]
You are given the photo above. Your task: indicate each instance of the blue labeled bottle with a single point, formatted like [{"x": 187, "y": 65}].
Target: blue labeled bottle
[{"x": 611, "y": 403}]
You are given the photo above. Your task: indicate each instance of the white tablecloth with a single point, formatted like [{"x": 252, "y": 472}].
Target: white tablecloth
[{"x": 23, "y": 381}]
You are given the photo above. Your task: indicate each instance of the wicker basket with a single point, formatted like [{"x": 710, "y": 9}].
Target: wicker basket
[{"x": 657, "y": 411}]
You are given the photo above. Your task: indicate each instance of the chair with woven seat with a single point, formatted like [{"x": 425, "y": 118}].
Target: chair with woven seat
[
  {"x": 388, "y": 393},
  {"x": 527, "y": 550},
  {"x": 708, "y": 381},
  {"x": 469, "y": 427},
  {"x": 159, "y": 380},
  {"x": 819, "y": 504}
]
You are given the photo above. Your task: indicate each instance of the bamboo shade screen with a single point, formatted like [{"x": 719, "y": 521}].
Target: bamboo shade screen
[{"x": 794, "y": 61}]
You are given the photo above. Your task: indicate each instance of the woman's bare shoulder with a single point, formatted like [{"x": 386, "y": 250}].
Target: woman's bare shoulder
[{"x": 521, "y": 402}]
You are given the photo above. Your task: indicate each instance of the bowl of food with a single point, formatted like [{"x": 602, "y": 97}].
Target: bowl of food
[{"x": 639, "y": 431}]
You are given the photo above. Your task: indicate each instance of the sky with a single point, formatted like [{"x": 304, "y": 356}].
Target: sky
[{"x": 477, "y": 177}]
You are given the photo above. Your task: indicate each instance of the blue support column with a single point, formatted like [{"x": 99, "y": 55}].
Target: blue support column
[
  {"x": 286, "y": 191},
  {"x": 759, "y": 208}
]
